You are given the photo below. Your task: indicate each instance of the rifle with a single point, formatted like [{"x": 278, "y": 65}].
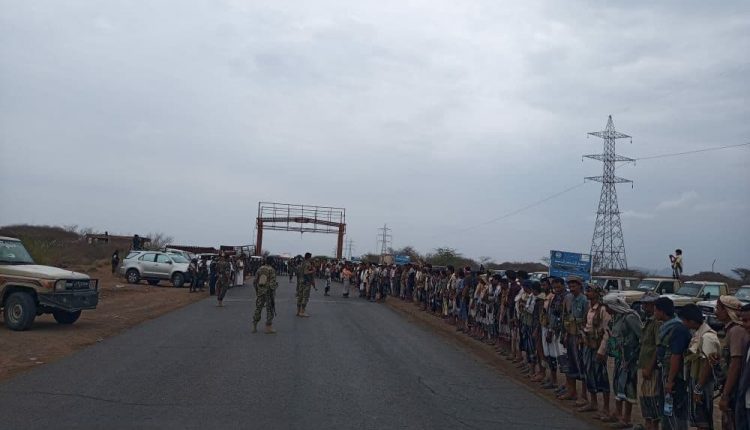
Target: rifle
[{"x": 272, "y": 301}]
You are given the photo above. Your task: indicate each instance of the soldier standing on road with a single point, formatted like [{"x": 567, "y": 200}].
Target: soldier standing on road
[
  {"x": 222, "y": 278},
  {"x": 212, "y": 277},
  {"x": 265, "y": 291},
  {"x": 307, "y": 270}
]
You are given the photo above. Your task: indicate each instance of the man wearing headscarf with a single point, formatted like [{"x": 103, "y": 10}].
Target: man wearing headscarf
[
  {"x": 734, "y": 345},
  {"x": 625, "y": 345},
  {"x": 596, "y": 336},
  {"x": 698, "y": 369},
  {"x": 553, "y": 332}
]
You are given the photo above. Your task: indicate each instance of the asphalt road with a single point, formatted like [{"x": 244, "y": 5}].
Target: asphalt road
[{"x": 353, "y": 364}]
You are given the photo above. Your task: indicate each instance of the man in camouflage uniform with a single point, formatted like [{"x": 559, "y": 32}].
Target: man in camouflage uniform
[
  {"x": 265, "y": 291},
  {"x": 307, "y": 270},
  {"x": 222, "y": 278}
]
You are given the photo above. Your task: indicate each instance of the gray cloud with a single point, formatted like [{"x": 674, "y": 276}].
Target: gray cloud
[{"x": 431, "y": 116}]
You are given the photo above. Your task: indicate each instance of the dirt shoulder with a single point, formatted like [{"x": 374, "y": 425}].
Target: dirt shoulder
[{"x": 121, "y": 306}]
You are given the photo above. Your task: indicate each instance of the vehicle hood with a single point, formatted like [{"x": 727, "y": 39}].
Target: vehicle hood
[
  {"x": 707, "y": 303},
  {"x": 678, "y": 298},
  {"x": 630, "y": 293},
  {"x": 39, "y": 271}
]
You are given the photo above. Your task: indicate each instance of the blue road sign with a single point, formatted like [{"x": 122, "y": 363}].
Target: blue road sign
[
  {"x": 401, "y": 259},
  {"x": 564, "y": 264}
]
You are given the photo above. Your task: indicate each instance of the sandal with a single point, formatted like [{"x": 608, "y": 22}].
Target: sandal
[
  {"x": 567, "y": 397},
  {"x": 620, "y": 425},
  {"x": 587, "y": 408},
  {"x": 608, "y": 418}
]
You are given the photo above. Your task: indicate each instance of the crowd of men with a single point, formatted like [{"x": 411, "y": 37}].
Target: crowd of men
[
  {"x": 589, "y": 346},
  {"x": 220, "y": 272}
]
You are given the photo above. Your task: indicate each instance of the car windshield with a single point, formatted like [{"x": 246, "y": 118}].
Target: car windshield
[
  {"x": 13, "y": 252},
  {"x": 598, "y": 282},
  {"x": 132, "y": 254},
  {"x": 689, "y": 289},
  {"x": 178, "y": 258},
  {"x": 743, "y": 294},
  {"x": 646, "y": 285}
]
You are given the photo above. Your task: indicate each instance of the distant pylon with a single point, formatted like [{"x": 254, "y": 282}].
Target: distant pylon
[
  {"x": 384, "y": 239},
  {"x": 607, "y": 244}
]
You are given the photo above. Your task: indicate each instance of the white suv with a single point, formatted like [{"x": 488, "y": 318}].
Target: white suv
[{"x": 154, "y": 266}]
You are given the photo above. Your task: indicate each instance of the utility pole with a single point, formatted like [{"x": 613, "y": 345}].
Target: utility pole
[
  {"x": 384, "y": 240},
  {"x": 349, "y": 249},
  {"x": 607, "y": 244}
]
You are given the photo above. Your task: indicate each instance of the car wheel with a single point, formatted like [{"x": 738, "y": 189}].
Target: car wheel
[
  {"x": 153, "y": 282},
  {"x": 178, "y": 280},
  {"x": 64, "y": 317},
  {"x": 133, "y": 276},
  {"x": 20, "y": 311}
]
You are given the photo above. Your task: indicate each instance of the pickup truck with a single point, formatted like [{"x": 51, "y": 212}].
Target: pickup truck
[
  {"x": 28, "y": 289},
  {"x": 696, "y": 291},
  {"x": 708, "y": 307},
  {"x": 615, "y": 283},
  {"x": 657, "y": 285}
]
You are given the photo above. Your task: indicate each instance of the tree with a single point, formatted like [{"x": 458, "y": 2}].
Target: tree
[
  {"x": 743, "y": 274},
  {"x": 449, "y": 257},
  {"x": 159, "y": 240},
  {"x": 370, "y": 258},
  {"x": 410, "y": 251},
  {"x": 485, "y": 260}
]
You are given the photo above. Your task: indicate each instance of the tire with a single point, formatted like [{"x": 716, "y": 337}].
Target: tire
[
  {"x": 19, "y": 312},
  {"x": 64, "y": 317},
  {"x": 178, "y": 280},
  {"x": 133, "y": 276},
  {"x": 153, "y": 282}
]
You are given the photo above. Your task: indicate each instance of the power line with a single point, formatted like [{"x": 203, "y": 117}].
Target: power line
[
  {"x": 519, "y": 210},
  {"x": 566, "y": 190},
  {"x": 675, "y": 154}
]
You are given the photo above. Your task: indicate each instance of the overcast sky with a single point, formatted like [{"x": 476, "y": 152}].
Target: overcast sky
[{"x": 432, "y": 116}]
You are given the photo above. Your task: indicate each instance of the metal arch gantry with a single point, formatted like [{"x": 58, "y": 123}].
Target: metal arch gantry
[{"x": 295, "y": 217}]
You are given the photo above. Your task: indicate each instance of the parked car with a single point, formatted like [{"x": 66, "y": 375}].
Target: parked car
[
  {"x": 155, "y": 266},
  {"x": 657, "y": 285},
  {"x": 696, "y": 291},
  {"x": 187, "y": 255},
  {"x": 709, "y": 307},
  {"x": 28, "y": 289},
  {"x": 538, "y": 276},
  {"x": 615, "y": 283}
]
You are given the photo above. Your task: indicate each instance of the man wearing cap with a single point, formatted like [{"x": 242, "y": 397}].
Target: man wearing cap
[
  {"x": 576, "y": 307},
  {"x": 651, "y": 406},
  {"x": 672, "y": 343},
  {"x": 734, "y": 345}
]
